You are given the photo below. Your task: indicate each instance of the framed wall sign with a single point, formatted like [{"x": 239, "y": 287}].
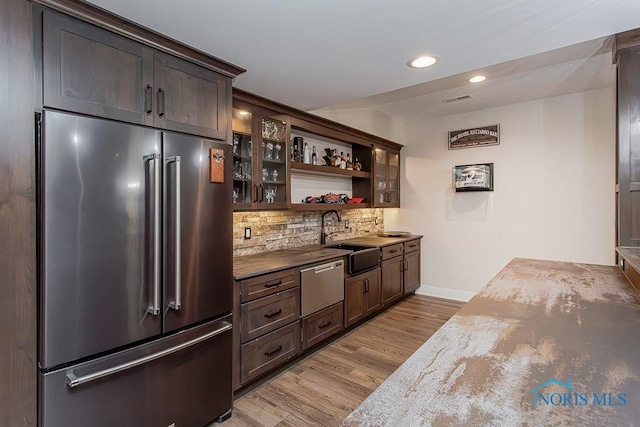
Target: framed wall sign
[
  {"x": 475, "y": 137},
  {"x": 478, "y": 177}
]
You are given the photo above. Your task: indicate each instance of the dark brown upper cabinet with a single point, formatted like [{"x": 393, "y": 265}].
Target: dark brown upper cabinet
[
  {"x": 92, "y": 71},
  {"x": 261, "y": 164},
  {"x": 95, "y": 72},
  {"x": 189, "y": 98},
  {"x": 386, "y": 182},
  {"x": 376, "y": 184}
]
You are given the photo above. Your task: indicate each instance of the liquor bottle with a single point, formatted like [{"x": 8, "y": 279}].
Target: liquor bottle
[
  {"x": 296, "y": 149},
  {"x": 349, "y": 164},
  {"x": 343, "y": 161},
  {"x": 306, "y": 158},
  {"x": 314, "y": 156}
]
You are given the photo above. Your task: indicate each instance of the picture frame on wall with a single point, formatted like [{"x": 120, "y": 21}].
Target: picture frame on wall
[
  {"x": 475, "y": 177},
  {"x": 474, "y": 137}
]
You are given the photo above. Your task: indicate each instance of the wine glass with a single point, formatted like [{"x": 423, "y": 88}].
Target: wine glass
[
  {"x": 236, "y": 193},
  {"x": 277, "y": 149},
  {"x": 265, "y": 174},
  {"x": 274, "y": 175}
]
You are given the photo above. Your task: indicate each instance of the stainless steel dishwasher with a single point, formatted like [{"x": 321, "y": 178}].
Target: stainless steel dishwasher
[{"x": 321, "y": 286}]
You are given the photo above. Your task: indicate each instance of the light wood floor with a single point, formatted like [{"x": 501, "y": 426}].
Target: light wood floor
[{"x": 322, "y": 389}]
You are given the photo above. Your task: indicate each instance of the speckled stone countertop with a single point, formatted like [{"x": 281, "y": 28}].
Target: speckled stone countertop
[
  {"x": 268, "y": 262},
  {"x": 543, "y": 343}
]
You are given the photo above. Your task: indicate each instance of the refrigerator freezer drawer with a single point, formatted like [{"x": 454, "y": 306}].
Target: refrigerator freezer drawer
[{"x": 183, "y": 379}]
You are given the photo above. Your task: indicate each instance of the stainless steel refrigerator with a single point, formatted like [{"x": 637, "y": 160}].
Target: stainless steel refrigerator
[{"x": 135, "y": 275}]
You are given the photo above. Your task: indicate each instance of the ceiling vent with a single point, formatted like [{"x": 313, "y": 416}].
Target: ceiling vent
[{"x": 459, "y": 98}]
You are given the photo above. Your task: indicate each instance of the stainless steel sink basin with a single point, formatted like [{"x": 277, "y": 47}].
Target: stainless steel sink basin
[{"x": 362, "y": 258}]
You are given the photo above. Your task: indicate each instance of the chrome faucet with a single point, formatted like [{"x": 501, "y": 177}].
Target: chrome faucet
[{"x": 323, "y": 234}]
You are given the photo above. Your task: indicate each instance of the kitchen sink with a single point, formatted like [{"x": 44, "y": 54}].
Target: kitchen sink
[{"x": 362, "y": 258}]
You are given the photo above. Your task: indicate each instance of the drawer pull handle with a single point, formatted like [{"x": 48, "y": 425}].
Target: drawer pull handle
[
  {"x": 412, "y": 246},
  {"x": 393, "y": 251},
  {"x": 324, "y": 325},
  {"x": 275, "y": 313},
  {"x": 272, "y": 284},
  {"x": 272, "y": 352}
]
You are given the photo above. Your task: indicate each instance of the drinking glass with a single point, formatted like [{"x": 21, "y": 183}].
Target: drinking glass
[
  {"x": 269, "y": 151},
  {"x": 246, "y": 170},
  {"x": 277, "y": 149},
  {"x": 237, "y": 170},
  {"x": 270, "y": 194},
  {"x": 236, "y": 144},
  {"x": 274, "y": 175},
  {"x": 249, "y": 148},
  {"x": 236, "y": 193},
  {"x": 265, "y": 174}
]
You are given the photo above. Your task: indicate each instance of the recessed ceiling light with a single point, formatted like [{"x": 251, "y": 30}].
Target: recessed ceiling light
[
  {"x": 477, "y": 79},
  {"x": 243, "y": 113},
  {"x": 423, "y": 62}
]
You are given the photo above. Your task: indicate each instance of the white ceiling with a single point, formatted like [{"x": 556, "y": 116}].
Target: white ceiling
[{"x": 317, "y": 53}]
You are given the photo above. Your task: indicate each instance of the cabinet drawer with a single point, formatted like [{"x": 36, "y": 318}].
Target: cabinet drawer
[
  {"x": 411, "y": 246},
  {"x": 391, "y": 251},
  {"x": 269, "y": 313},
  {"x": 269, "y": 351},
  {"x": 321, "y": 325},
  {"x": 261, "y": 286}
]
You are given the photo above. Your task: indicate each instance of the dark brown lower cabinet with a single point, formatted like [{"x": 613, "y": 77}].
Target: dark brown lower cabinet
[
  {"x": 269, "y": 351},
  {"x": 392, "y": 277},
  {"x": 411, "y": 271},
  {"x": 362, "y": 296},
  {"x": 321, "y": 325}
]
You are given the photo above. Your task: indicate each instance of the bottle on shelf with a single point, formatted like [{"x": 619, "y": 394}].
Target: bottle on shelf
[
  {"x": 343, "y": 161},
  {"x": 306, "y": 157},
  {"x": 349, "y": 164},
  {"x": 314, "y": 156},
  {"x": 297, "y": 147}
]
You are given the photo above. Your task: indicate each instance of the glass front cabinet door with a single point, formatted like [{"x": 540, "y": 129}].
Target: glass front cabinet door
[
  {"x": 386, "y": 185},
  {"x": 260, "y": 160},
  {"x": 273, "y": 188},
  {"x": 243, "y": 187}
]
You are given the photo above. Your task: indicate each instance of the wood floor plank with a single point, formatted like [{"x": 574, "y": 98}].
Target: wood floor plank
[{"x": 322, "y": 389}]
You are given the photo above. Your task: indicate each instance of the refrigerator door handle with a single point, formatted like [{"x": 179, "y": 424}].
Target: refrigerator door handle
[
  {"x": 176, "y": 304},
  {"x": 154, "y": 308},
  {"x": 73, "y": 381}
]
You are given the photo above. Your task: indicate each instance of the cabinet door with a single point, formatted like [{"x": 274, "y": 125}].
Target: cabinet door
[
  {"x": 272, "y": 155},
  {"x": 243, "y": 186},
  {"x": 411, "y": 271},
  {"x": 190, "y": 98},
  {"x": 353, "y": 300},
  {"x": 373, "y": 292},
  {"x": 386, "y": 181},
  {"x": 392, "y": 275},
  {"x": 92, "y": 71}
]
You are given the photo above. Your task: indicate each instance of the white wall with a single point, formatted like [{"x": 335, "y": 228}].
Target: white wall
[
  {"x": 367, "y": 120},
  {"x": 553, "y": 199}
]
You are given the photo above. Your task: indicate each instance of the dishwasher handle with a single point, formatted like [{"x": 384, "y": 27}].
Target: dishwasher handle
[{"x": 324, "y": 267}]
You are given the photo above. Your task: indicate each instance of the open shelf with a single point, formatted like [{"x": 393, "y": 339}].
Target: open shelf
[
  {"x": 327, "y": 206},
  {"x": 327, "y": 170}
]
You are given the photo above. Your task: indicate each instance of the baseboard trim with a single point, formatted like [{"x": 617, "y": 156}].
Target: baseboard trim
[{"x": 445, "y": 293}]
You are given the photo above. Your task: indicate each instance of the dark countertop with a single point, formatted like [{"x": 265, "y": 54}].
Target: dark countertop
[
  {"x": 378, "y": 241},
  {"x": 631, "y": 255},
  {"x": 268, "y": 262},
  {"x": 537, "y": 329}
]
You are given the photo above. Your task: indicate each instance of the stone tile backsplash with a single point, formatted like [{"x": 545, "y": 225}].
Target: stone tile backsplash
[{"x": 272, "y": 230}]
